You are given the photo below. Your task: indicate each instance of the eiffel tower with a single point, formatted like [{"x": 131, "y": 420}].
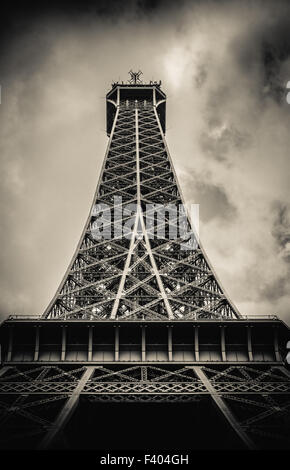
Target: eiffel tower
[{"x": 140, "y": 319}]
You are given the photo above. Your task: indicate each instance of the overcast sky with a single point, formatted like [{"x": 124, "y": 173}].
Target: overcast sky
[{"x": 224, "y": 67}]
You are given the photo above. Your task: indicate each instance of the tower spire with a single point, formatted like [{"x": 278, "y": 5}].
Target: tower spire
[{"x": 135, "y": 77}]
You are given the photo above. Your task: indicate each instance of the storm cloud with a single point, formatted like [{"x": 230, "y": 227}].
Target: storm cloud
[{"x": 224, "y": 66}]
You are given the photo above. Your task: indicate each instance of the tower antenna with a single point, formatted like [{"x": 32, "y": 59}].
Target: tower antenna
[{"x": 135, "y": 77}]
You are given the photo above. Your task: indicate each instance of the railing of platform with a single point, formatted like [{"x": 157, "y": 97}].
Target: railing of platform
[
  {"x": 244, "y": 317},
  {"x": 24, "y": 317},
  {"x": 254, "y": 317}
]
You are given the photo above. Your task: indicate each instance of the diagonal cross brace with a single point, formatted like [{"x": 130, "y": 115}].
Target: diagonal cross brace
[
  {"x": 67, "y": 410},
  {"x": 224, "y": 408}
]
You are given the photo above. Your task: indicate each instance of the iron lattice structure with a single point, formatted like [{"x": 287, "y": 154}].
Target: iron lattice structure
[
  {"x": 139, "y": 317},
  {"x": 40, "y": 400},
  {"x": 145, "y": 277}
]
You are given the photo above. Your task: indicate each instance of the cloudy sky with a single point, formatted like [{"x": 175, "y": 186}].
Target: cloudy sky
[{"x": 224, "y": 67}]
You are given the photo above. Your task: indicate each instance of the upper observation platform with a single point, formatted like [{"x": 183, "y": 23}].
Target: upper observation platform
[{"x": 132, "y": 91}]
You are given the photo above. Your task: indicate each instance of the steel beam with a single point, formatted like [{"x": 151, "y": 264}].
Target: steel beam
[
  {"x": 36, "y": 349},
  {"x": 276, "y": 345},
  {"x": 217, "y": 398},
  {"x": 143, "y": 338},
  {"x": 223, "y": 344},
  {"x": 63, "y": 344},
  {"x": 3, "y": 370},
  {"x": 170, "y": 343},
  {"x": 90, "y": 344},
  {"x": 249, "y": 343},
  {"x": 117, "y": 343},
  {"x": 10, "y": 344},
  {"x": 67, "y": 410},
  {"x": 196, "y": 343}
]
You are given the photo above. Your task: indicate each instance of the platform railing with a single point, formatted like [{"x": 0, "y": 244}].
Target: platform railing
[{"x": 244, "y": 317}]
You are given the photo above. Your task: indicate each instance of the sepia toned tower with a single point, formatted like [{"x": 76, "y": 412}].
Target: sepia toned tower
[{"x": 140, "y": 321}]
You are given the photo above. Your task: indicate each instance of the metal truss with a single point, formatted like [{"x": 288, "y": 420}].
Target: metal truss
[
  {"x": 39, "y": 401},
  {"x": 144, "y": 277},
  {"x": 138, "y": 398},
  {"x": 132, "y": 273}
]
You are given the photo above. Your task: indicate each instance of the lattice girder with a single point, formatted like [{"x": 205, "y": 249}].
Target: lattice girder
[
  {"x": 144, "y": 276},
  {"x": 258, "y": 398}
]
